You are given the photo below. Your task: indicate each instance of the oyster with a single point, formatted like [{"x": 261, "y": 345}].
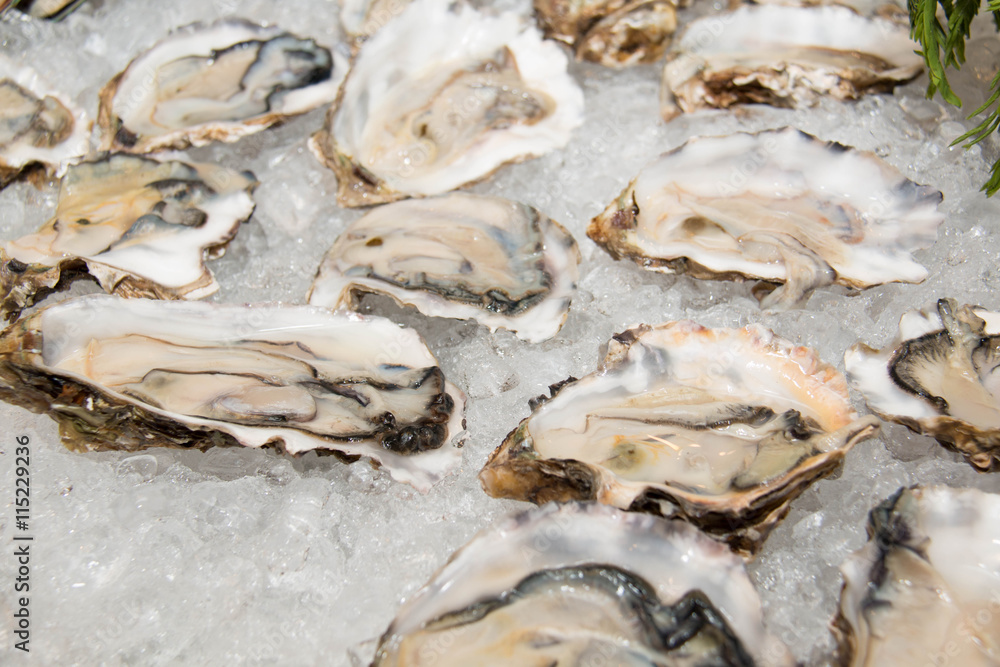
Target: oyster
[
  {"x": 471, "y": 92},
  {"x": 460, "y": 255},
  {"x": 923, "y": 591},
  {"x": 584, "y": 585},
  {"x": 786, "y": 57},
  {"x": 46, "y": 9},
  {"x": 721, "y": 427},
  {"x": 780, "y": 206},
  {"x": 38, "y": 126},
  {"x": 215, "y": 82},
  {"x": 939, "y": 378},
  {"x": 133, "y": 373},
  {"x": 140, "y": 226},
  {"x": 613, "y": 33}
]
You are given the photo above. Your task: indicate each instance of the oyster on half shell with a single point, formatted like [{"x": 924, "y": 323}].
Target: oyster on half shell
[
  {"x": 924, "y": 590},
  {"x": 939, "y": 377},
  {"x": 721, "y": 427},
  {"x": 442, "y": 96},
  {"x": 780, "y": 206},
  {"x": 38, "y": 126},
  {"x": 460, "y": 255},
  {"x": 141, "y": 227},
  {"x": 134, "y": 373},
  {"x": 786, "y": 57},
  {"x": 614, "y": 33},
  {"x": 215, "y": 82},
  {"x": 585, "y": 585}
]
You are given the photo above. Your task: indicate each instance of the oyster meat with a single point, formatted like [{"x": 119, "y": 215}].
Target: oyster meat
[
  {"x": 786, "y": 57},
  {"x": 721, "y": 427},
  {"x": 141, "y": 227},
  {"x": 38, "y": 126},
  {"x": 442, "y": 96},
  {"x": 215, "y": 82},
  {"x": 780, "y": 206},
  {"x": 923, "y": 591},
  {"x": 584, "y": 585},
  {"x": 939, "y": 378},
  {"x": 135, "y": 373},
  {"x": 502, "y": 263},
  {"x": 614, "y": 33}
]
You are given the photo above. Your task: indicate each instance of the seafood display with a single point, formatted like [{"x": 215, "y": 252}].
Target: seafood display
[
  {"x": 692, "y": 495},
  {"x": 925, "y": 584},
  {"x": 583, "y": 584},
  {"x": 132, "y": 373},
  {"x": 38, "y": 126},
  {"x": 472, "y": 92},
  {"x": 461, "y": 256},
  {"x": 786, "y": 57},
  {"x": 721, "y": 427},
  {"x": 215, "y": 82},
  {"x": 141, "y": 227},
  {"x": 614, "y": 33},
  {"x": 780, "y": 206},
  {"x": 939, "y": 377}
]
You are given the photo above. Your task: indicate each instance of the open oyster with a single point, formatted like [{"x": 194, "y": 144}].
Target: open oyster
[
  {"x": 140, "y": 226},
  {"x": 584, "y": 585},
  {"x": 460, "y": 255},
  {"x": 923, "y": 591},
  {"x": 788, "y": 209},
  {"x": 721, "y": 427},
  {"x": 46, "y": 9},
  {"x": 215, "y": 82},
  {"x": 939, "y": 378},
  {"x": 786, "y": 57},
  {"x": 38, "y": 126},
  {"x": 442, "y": 96},
  {"x": 613, "y": 33},
  {"x": 134, "y": 373}
]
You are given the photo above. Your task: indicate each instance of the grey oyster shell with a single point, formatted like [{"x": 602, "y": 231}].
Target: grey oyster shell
[
  {"x": 923, "y": 590},
  {"x": 939, "y": 377},
  {"x": 781, "y": 206},
  {"x": 129, "y": 374},
  {"x": 720, "y": 427},
  {"x": 140, "y": 226},
  {"x": 460, "y": 255},
  {"x": 38, "y": 126},
  {"x": 584, "y": 584},
  {"x": 215, "y": 82}
]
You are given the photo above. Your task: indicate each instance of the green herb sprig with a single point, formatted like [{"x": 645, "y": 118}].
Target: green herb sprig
[{"x": 943, "y": 46}]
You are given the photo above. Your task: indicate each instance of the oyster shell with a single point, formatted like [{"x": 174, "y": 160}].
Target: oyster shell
[
  {"x": 939, "y": 378},
  {"x": 786, "y": 57},
  {"x": 38, "y": 126},
  {"x": 584, "y": 585},
  {"x": 133, "y": 373},
  {"x": 780, "y": 206},
  {"x": 46, "y": 9},
  {"x": 501, "y": 263},
  {"x": 923, "y": 591},
  {"x": 141, "y": 227},
  {"x": 614, "y": 33},
  {"x": 720, "y": 427},
  {"x": 215, "y": 82},
  {"x": 442, "y": 96}
]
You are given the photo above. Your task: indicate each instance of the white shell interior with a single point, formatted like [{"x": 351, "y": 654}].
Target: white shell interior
[
  {"x": 462, "y": 241},
  {"x": 404, "y": 66}
]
